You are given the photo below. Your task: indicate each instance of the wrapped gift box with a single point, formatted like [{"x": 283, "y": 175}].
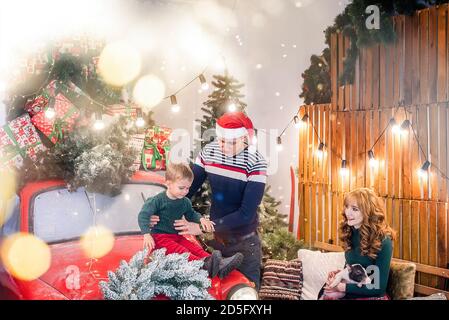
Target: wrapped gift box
[
  {"x": 156, "y": 149},
  {"x": 18, "y": 139},
  {"x": 119, "y": 109},
  {"x": 64, "y": 120}
]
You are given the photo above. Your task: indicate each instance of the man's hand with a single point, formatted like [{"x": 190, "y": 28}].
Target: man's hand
[
  {"x": 154, "y": 220},
  {"x": 185, "y": 227},
  {"x": 148, "y": 242},
  {"x": 207, "y": 225}
]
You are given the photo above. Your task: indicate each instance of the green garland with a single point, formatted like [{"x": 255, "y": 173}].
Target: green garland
[{"x": 351, "y": 22}]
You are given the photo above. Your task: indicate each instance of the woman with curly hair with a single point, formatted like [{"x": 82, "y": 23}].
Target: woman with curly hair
[{"x": 367, "y": 240}]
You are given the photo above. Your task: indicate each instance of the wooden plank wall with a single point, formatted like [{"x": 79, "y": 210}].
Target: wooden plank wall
[{"x": 408, "y": 79}]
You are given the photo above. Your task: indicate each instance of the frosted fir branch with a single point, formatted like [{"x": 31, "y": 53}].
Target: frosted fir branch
[{"x": 172, "y": 275}]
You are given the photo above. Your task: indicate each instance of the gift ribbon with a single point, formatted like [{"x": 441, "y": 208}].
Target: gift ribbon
[
  {"x": 58, "y": 125},
  {"x": 156, "y": 155}
]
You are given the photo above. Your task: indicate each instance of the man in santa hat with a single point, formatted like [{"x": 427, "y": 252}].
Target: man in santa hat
[{"x": 237, "y": 175}]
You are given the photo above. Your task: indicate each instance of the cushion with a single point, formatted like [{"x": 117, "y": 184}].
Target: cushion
[
  {"x": 316, "y": 266},
  {"x": 281, "y": 280},
  {"x": 401, "y": 283}
]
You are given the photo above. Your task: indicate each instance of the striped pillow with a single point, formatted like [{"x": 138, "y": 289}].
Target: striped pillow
[{"x": 281, "y": 280}]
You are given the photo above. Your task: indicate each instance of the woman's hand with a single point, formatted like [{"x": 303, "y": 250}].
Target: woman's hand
[
  {"x": 185, "y": 227},
  {"x": 341, "y": 287},
  {"x": 331, "y": 276},
  {"x": 154, "y": 220}
]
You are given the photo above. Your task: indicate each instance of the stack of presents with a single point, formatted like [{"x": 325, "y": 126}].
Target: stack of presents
[{"x": 20, "y": 137}]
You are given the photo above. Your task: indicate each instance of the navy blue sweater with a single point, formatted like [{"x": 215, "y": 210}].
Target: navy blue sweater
[{"x": 238, "y": 185}]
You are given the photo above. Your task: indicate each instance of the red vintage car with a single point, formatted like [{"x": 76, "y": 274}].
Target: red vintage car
[{"x": 59, "y": 217}]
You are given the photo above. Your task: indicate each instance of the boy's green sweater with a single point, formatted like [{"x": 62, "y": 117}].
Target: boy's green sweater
[
  {"x": 168, "y": 211},
  {"x": 382, "y": 261}
]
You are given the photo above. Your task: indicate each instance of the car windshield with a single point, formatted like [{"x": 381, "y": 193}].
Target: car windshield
[{"x": 60, "y": 215}]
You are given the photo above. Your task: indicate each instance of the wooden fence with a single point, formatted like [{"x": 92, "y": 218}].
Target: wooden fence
[{"x": 405, "y": 80}]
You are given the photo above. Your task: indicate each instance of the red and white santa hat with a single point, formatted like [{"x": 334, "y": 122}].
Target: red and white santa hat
[{"x": 233, "y": 125}]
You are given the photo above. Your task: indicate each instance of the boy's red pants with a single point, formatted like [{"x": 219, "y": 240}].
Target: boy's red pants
[{"x": 175, "y": 243}]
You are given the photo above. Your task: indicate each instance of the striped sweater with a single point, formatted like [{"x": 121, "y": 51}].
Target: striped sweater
[{"x": 238, "y": 185}]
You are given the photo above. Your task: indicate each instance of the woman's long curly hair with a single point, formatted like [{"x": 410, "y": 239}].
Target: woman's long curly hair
[{"x": 374, "y": 227}]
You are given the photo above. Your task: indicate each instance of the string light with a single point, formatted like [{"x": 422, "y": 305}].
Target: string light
[
  {"x": 174, "y": 104},
  {"x": 373, "y": 162},
  {"x": 99, "y": 124},
  {"x": 279, "y": 146},
  {"x": 50, "y": 112},
  {"x": 394, "y": 126},
  {"x": 344, "y": 171},
  {"x": 297, "y": 122},
  {"x": 320, "y": 151},
  {"x": 140, "y": 122},
  {"x": 204, "y": 84},
  {"x": 232, "y": 107},
  {"x": 423, "y": 172},
  {"x": 404, "y": 127}
]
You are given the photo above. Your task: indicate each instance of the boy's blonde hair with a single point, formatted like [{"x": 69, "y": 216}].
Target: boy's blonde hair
[{"x": 178, "y": 171}]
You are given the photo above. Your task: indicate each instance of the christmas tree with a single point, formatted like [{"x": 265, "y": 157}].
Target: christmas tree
[
  {"x": 277, "y": 241},
  {"x": 170, "y": 275}
]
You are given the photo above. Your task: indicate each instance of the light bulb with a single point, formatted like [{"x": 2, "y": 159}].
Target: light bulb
[
  {"x": 404, "y": 127},
  {"x": 174, "y": 104},
  {"x": 279, "y": 146},
  {"x": 50, "y": 113},
  {"x": 320, "y": 152},
  {"x": 204, "y": 84},
  {"x": 373, "y": 162},
  {"x": 423, "y": 172},
  {"x": 344, "y": 171},
  {"x": 99, "y": 125},
  {"x": 232, "y": 107},
  {"x": 140, "y": 122}
]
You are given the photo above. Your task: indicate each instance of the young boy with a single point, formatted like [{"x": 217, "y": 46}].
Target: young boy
[{"x": 171, "y": 205}]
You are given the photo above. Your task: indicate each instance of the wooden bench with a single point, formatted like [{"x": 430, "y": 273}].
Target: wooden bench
[{"x": 423, "y": 268}]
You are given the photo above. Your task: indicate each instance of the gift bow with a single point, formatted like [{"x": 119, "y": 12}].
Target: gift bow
[
  {"x": 156, "y": 155},
  {"x": 60, "y": 123}
]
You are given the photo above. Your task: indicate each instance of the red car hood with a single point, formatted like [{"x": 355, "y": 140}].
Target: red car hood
[{"x": 77, "y": 277}]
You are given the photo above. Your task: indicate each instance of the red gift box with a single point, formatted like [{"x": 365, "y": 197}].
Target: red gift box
[
  {"x": 18, "y": 139},
  {"x": 62, "y": 122},
  {"x": 36, "y": 105},
  {"x": 156, "y": 150}
]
